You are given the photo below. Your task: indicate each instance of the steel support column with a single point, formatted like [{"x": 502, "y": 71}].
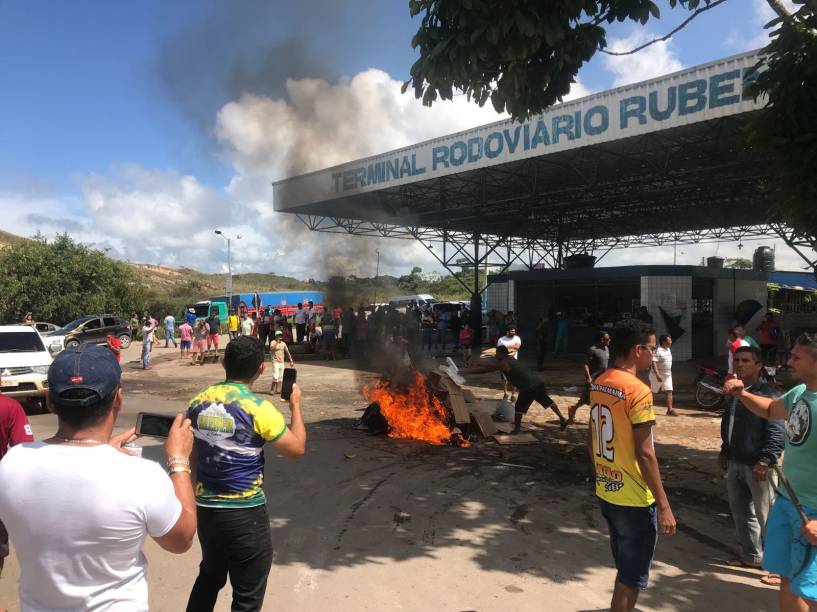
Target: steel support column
[{"x": 476, "y": 302}]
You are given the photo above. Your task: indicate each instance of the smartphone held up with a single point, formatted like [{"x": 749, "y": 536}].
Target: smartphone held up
[
  {"x": 153, "y": 425},
  {"x": 290, "y": 375}
]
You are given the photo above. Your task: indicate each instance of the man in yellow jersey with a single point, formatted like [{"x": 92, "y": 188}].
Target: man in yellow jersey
[{"x": 628, "y": 483}]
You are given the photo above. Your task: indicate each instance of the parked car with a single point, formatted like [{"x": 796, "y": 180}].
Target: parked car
[
  {"x": 449, "y": 307},
  {"x": 404, "y": 301},
  {"x": 91, "y": 330},
  {"x": 24, "y": 362},
  {"x": 45, "y": 328}
]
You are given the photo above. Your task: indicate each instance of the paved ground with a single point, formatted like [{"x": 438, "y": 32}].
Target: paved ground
[{"x": 492, "y": 528}]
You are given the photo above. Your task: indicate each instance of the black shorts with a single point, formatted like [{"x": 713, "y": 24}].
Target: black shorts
[
  {"x": 526, "y": 397},
  {"x": 585, "y": 397}
]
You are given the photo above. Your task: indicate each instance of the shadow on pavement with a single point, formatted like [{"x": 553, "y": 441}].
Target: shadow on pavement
[{"x": 528, "y": 510}]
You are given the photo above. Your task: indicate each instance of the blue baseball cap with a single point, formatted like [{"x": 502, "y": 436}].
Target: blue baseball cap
[{"x": 87, "y": 366}]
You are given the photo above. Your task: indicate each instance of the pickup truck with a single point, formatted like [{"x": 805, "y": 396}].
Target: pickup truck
[{"x": 24, "y": 362}]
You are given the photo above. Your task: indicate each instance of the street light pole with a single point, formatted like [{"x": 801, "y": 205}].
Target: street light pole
[{"x": 229, "y": 268}]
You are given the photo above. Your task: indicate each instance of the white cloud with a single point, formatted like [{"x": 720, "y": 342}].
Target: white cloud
[
  {"x": 762, "y": 14},
  {"x": 24, "y": 214},
  {"x": 656, "y": 60},
  {"x": 577, "y": 90},
  {"x": 163, "y": 217}
]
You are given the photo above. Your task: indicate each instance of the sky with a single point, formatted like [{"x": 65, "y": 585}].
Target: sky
[{"x": 142, "y": 127}]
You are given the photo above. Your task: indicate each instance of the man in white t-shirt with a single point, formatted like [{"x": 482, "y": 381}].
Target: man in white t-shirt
[
  {"x": 81, "y": 506},
  {"x": 513, "y": 343},
  {"x": 246, "y": 326},
  {"x": 661, "y": 372},
  {"x": 148, "y": 337},
  {"x": 300, "y": 319}
]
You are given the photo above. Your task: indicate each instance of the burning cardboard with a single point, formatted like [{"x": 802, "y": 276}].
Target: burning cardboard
[{"x": 420, "y": 410}]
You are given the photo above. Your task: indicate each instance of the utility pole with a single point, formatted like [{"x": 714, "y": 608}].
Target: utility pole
[{"x": 229, "y": 269}]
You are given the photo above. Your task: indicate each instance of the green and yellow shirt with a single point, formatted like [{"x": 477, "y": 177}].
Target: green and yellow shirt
[{"x": 231, "y": 425}]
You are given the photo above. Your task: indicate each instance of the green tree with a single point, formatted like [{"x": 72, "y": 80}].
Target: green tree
[
  {"x": 738, "y": 263},
  {"x": 787, "y": 128},
  {"x": 62, "y": 280},
  {"x": 524, "y": 55}
]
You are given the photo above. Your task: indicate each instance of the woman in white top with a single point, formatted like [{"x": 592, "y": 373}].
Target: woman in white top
[{"x": 661, "y": 371}]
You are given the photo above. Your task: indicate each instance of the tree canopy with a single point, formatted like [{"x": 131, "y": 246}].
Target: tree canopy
[
  {"x": 61, "y": 280},
  {"x": 788, "y": 126},
  {"x": 524, "y": 55}
]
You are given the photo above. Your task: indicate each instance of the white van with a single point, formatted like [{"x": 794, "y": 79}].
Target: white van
[
  {"x": 404, "y": 301},
  {"x": 24, "y": 362}
]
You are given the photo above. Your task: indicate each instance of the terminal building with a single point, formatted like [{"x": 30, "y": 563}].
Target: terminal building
[
  {"x": 694, "y": 304},
  {"x": 662, "y": 162}
]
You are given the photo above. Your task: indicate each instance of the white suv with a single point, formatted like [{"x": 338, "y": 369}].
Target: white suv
[{"x": 24, "y": 362}]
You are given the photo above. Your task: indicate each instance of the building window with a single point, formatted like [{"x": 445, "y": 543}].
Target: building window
[{"x": 702, "y": 305}]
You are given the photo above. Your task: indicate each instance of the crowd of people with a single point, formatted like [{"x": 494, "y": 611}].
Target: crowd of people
[{"x": 86, "y": 556}]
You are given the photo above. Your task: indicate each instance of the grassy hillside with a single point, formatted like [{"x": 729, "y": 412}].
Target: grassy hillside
[
  {"x": 7, "y": 238},
  {"x": 185, "y": 281},
  {"x": 170, "y": 289}
]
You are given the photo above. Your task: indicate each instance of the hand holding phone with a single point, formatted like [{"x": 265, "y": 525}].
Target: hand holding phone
[
  {"x": 295, "y": 396},
  {"x": 180, "y": 438},
  {"x": 290, "y": 375}
]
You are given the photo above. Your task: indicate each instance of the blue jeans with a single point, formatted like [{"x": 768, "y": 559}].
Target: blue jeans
[
  {"x": 169, "y": 338},
  {"x": 146, "y": 353},
  {"x": 633, "y": 536}
]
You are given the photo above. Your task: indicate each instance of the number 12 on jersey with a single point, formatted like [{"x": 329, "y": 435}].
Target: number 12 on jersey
[{"x": 601, "y": 419}]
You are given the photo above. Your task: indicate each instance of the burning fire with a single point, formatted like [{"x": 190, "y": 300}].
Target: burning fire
[{"x": 413, "y": 414}]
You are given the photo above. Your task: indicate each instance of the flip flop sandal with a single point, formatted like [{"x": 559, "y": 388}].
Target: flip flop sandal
[{"x": 771, "y": 580}]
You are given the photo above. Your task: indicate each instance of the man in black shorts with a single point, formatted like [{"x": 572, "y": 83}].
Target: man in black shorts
[{"x": 531, "y": 387}]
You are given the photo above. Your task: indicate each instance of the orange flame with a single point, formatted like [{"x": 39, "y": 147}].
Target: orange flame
[{"x": 413, "y": 414}]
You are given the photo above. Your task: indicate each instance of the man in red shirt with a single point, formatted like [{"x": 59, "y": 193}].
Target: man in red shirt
[
  {"x": 768, "y": 333},
  {"x": 14, "y": 429}
]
